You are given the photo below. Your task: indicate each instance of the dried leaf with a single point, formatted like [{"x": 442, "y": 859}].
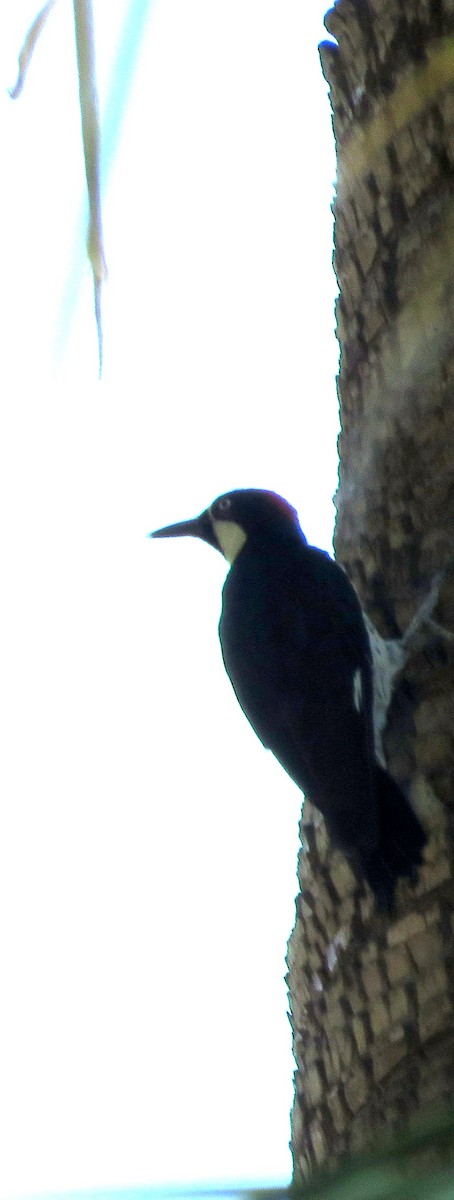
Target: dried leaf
[
  {"x": 85, "y": 46},
  {"x": 29, "y": 46}
]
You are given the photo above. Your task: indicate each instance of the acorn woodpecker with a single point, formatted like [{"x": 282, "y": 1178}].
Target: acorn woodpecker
[{"x": 297, "y": 652}]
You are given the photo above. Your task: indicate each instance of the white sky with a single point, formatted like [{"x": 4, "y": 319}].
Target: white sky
[{"x": 148, "y": 843}]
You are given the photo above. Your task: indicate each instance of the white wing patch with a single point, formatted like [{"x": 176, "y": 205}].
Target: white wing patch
[{"x": 358, "y": 690}]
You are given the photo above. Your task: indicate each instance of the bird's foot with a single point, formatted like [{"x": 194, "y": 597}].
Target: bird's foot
[
  {"x": 390, "y": 655},
  {"x": 423, "y": 629}
]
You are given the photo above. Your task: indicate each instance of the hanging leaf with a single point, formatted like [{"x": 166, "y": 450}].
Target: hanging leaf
[
  {"x": 85, "y": 47},
  {"x": 29, "y": 46},
  {"x": 91, "y": 137}
]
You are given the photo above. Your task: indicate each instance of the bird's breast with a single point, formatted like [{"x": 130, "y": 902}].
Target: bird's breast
[{"x": 263, "y": 627}]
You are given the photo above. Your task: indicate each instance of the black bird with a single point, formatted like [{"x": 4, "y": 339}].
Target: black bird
[{"x": 297, "y": 653}]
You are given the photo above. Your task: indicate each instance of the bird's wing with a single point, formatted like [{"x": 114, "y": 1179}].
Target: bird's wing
[
  {"x": 295, "y": 635},
  {"x": 298, "y": 657}
]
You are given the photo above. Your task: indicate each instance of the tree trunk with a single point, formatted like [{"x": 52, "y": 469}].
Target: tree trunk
[{"x": 371, "y": 994}]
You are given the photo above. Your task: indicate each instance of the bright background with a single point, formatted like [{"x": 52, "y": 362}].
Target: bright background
[{"x": 148, "y": 844}]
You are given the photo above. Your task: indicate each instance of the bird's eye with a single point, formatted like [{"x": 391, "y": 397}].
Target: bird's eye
[{"x": 223, "y": 505}]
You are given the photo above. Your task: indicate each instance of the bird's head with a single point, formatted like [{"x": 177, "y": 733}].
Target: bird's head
[{"x": 234, "y": 518}]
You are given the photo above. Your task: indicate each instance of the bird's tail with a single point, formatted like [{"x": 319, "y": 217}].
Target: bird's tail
[{"x": 402, "y": 841}]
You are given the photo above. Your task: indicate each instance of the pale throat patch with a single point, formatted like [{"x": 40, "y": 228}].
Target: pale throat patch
[{"x": 230, "y": 536}]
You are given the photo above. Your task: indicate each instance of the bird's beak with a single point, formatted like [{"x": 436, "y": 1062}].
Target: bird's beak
[{"x": 200, "y": 527}]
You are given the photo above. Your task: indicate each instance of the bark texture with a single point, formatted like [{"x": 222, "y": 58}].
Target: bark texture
[{"x": 372, "y": 996}]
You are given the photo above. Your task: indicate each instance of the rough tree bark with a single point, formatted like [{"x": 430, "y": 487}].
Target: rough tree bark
[{"x": 372, "y": 995}]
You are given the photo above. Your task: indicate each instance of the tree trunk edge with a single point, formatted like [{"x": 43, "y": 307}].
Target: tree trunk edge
[{"x": 372, "y": 997}]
